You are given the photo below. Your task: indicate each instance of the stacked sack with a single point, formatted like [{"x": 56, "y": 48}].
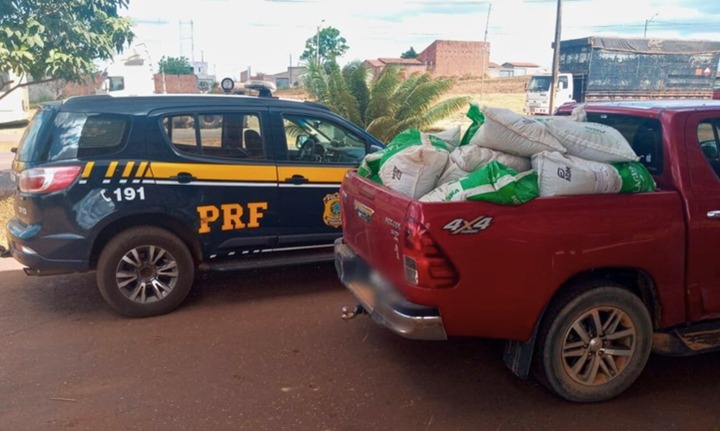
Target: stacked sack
[
  {"x": 508, "y": 158},
  {"x": 412, "y": 162},
  {"x": 598, "y": 160}
]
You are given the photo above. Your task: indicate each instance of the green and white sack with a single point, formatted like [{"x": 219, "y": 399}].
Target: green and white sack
[
  {"x": 370, "y": 165},
  {"x": 447, "y": 139},
  {"x": 477, "y": 118},
  {"x": 465, "y": 159},
  {"x": 562, "y": 174},
  {"x": 493, "y": 182}
]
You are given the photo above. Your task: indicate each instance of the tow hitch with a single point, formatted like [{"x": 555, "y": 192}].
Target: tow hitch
[
  {"x": 348, "y": 314},
  {"x": 4, "y": 252}
]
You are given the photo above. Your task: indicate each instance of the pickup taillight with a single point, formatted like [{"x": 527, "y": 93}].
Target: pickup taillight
[
  {"x": 47, "y": 180},
  {"x": 426, "y": 265}
]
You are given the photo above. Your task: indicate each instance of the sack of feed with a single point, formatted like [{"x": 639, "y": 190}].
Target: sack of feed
[
  {"x": 513, "y": 133},
  {"x": 412, "y": 169},
  {"x": 562, "y": 174},
  {"x": 493, "y": 182},
  {"x": 470, "y": 157},
  {"x": 592, "y": 141}
]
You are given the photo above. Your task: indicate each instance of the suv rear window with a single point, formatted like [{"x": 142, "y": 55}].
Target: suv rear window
[
  {"x": 76, "y": 135},
  {"x": 72, "y": 135}
]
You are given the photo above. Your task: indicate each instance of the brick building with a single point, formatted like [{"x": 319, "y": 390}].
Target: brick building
[
  {"x": 409, "y": 65},
  {"x": 456, "y": 58},
  {"x": 182, "y": 84}
]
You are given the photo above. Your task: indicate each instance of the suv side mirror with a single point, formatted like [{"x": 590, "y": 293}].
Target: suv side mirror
[{"x": 13, "y": 150}]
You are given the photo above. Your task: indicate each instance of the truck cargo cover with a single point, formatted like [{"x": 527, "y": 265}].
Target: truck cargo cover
[{"x": 646, "y": 46}]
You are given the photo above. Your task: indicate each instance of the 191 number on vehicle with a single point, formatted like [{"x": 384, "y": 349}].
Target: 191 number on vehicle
[{"x": 462, "y": 226}]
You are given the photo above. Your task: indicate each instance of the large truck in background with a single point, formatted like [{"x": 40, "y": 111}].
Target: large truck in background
[
  {"x": 14, "y": 102},
  {"x": 611, "y": 68},
  {"x": 130, "y": 75}
]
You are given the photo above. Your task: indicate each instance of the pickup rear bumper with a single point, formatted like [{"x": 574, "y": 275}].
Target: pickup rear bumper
[{"x": 382, "y": 302}]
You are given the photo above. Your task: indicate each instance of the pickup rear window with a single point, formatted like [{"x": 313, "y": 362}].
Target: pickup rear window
[{"x": 644, "y": 135}]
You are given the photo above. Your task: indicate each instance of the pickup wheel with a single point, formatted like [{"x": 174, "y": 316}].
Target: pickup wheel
[
  {"x": 145, "y": 271},
  {"x": 593, "y": 344}
]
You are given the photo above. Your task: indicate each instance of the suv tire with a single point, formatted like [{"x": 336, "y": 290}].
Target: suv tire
[{"x": 145, "y": 271}]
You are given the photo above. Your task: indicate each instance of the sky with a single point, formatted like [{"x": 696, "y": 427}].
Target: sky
[{"x": 267, "y": 36}]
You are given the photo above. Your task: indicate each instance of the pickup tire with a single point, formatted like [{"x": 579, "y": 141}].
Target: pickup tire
[
  {"x": 593, "y": 343},
  {"x": 145, "y": 271}
]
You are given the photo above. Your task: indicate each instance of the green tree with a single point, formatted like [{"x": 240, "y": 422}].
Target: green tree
[
  {"x": 410, "y": 53},
  {"x": 51, "y": 39},
  {"x": 331, "y": 44},
  {"x": 384, "y": 105},
  {"x": 175, "y": 66}
]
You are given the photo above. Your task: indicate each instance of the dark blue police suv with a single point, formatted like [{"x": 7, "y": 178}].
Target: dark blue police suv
[{"x": 147, "y": 190}]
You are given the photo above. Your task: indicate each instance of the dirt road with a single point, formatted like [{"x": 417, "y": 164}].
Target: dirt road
[{"x": 266, "y": 350}]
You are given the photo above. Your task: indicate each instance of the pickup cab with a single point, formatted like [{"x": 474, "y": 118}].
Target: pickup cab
[{"x": 583, "y": 288}]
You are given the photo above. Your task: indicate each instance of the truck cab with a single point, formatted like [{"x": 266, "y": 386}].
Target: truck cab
[{"x": 537, "y": 94}]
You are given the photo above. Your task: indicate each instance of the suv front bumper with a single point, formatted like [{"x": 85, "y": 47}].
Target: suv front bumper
[{"x": 382, "y": 302}]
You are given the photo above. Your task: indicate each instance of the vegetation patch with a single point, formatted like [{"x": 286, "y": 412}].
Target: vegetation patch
[{"x": 6, "y": 211}]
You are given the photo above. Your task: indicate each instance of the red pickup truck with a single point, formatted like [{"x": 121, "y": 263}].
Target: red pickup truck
[{"x": 583, "y": 288}]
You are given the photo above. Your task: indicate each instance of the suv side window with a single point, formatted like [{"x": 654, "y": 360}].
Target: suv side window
[
  {"x": 317, "y": 140},
  {"x": 77, "y": 135},
  {"x": 222, "y": 135},
  {"x": 708, "y": 134}
]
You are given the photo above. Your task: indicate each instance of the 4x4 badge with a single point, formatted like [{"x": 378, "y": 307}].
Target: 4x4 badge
[
  {"x": 462, "y": 226},
  {"x": 331, "y": 214}
]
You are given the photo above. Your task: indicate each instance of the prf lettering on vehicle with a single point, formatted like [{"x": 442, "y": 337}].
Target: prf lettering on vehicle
[{"x": 231, "y": 216}]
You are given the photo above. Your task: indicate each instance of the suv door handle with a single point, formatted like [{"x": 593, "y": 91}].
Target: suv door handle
[
  {"x": 713, "y": 214},
  {"x": 297, "y": 179},
  {"x": 184, "y": 178}
]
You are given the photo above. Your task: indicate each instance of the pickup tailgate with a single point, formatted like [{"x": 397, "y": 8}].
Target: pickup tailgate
[{"x": 372, "y": 218}]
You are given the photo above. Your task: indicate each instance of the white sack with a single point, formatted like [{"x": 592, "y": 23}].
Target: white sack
[
  {"x": 414, "y": 170},
  {"x": 592, "y": 141},
  {"x": 452, "y": 172},
  {"x": 562, "y": 174},
  {"x": 470, "y": 157},
  {"x": 513, "y": 133}
]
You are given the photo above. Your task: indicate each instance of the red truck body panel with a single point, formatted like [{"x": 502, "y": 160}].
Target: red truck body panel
[{"x": 509, "y": 271}]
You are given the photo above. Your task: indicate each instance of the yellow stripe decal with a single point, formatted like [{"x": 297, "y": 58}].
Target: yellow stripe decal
[
  {"x": 142, "y": 170},
  {"x": 323, "y": 174},
  {"x": 88, "y": 169},
  {"x": 205, "y": 171},
  {"x": 111, "y": 169},
  {"x": 128, "y": 169}
]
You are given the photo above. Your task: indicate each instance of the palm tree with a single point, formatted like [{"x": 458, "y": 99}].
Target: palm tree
[{"x": 384, "y": 105}]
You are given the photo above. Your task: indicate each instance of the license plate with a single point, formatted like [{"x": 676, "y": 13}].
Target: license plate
[{"x": 365, "y": 294}]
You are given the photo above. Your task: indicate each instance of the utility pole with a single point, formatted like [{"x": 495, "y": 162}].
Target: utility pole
[
  {"x": 648, "y": 21},
  {"x": 317, "y": 42},
  {"x": 485, "y": 54},
  {"x": 556, "y": 58}
]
